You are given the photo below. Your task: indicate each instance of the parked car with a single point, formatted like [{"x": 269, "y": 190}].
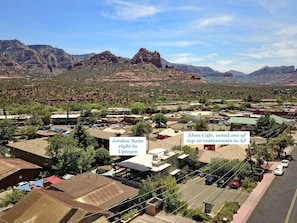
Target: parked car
[
  {"x": 285, "y": 163},
  {"x": 20, "y": 184},
  {"x": 222, "y": 182},
  {"x": 235, "y": 183},
  {"x": 210, "y": 179},
  {"x": 288, "y": 157},
  {"x": 279, "y": 170},
  {"x": 199, "y": 173}
]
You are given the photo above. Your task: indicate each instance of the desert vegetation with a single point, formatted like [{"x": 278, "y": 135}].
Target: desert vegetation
[{"x": 107, "y": 86}]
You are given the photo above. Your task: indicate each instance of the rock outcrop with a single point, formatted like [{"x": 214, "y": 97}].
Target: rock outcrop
[
  {"x": 19, "y": 58},
  {"x": 107, "y": 57},
  {"x": 145, "y": 56}
]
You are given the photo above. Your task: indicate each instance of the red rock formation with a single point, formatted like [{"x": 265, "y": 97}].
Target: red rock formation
[{"x": 144, "y": 55}]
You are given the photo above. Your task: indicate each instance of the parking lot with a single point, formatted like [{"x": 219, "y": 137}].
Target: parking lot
[{"x": 196, "y": 193}]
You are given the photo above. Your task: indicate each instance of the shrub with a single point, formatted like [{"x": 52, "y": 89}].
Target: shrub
[
  {"x": 130, "y": 214},
  {"x": 248, "y": 184},
  {"x": 227, "y": 211},
  {"x": 12, "y": 198}
]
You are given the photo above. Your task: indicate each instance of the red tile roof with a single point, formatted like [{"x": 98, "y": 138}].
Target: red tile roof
[{"x": 53, "y": 179}]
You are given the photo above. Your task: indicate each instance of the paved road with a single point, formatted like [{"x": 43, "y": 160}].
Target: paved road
[
  {"x": 195, "y": 192},
  {"x": 279, "y": 203}
]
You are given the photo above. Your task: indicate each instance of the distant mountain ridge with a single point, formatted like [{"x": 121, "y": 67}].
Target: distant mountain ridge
[
  {"x": 282, "y": 75},
  {"x": 19, "y": 59}
]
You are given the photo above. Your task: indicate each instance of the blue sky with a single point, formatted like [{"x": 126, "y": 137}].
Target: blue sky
[{"x": 243, "y": 35}]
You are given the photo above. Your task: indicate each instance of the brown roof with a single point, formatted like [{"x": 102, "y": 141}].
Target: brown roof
[
  {"x": 100, "y": 134},
  {"x": 50, "y": 206},
  {"x": 230, "y": 152},
  {"x": 104, "y": 134},
  {"x": 167, "y": 143},
  {"x": 35, "y": 146},
  {"x": 46, "y": 133},
  {"x": 9, "y": 166},
  {"x": 97, "y": 190}
]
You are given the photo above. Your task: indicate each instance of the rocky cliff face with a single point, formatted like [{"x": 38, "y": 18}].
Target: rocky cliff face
[
  {"x": 54, "y": 57},
  {"x": 145, "y": 56},
  {"x": 107, "y": 57},
  {"x": 17, "y": 58},
  {"x": 274, "y": 70}
]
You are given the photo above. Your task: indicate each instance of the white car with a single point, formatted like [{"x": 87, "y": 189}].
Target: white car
[
  {"x": 20, "y": 184},
  {"x": 285, "y": 163},
  {"x": 279, "y": 170}
]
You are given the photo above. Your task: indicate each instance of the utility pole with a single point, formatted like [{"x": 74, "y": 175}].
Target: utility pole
[{"x": 250, "y": 158}]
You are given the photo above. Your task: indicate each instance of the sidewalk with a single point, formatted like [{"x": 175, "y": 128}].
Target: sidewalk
[{"x": 251, "y": 202}]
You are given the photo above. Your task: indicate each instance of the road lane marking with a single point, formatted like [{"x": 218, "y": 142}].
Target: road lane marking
[{"x": 291, "y": 207}]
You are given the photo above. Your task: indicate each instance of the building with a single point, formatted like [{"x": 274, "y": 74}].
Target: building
[
  {"x": 248, "y": 123},
  {"x": 64, "y": 118},
  {"x": 102, "y": 136},
  {"x": 33, "y": 151},
  {"x": 168, "y": 132},
  {"x": 157, "y": 160},
  {"x": 229, "y": 152},
  {"x": 119, "y": 111},
  {"x": 20, "y": 120},
  {"x": 13, "y": 171},
  {"x": 52, "y": 206},
  {"x": 96, "y": 190}
]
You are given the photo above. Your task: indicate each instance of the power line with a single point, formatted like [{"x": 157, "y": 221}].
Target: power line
[
  {"x": 149, "y": 192},
  {"x": 181, "y": 190}
]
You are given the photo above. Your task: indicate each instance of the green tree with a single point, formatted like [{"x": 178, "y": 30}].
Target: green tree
[
  {"x": 161, "y": 120},
  {"x": 68, "y": 161},
  {"x": 86, "y": 159},
  {"x": 185, "y": 119},
  {"x": 103, "y": 113},
  {"x": 201, "y": 125},
  {"x": 59, "y": 142},
  {"x": 7, "y": 130},
  {"x": 170, "y": 193},
  {"x": 278, "y": 144},
  {"x": 262, "y": 154},
  {"x": 244, "y": 106},
  {"x": 228, "y": 168},
  {"x": 164, "y": 187},
  {"x": 141, "y": 128},
  {"x": 31, "y": 132},
  {"x": 35, "y": 120},
  {"x": 231, "y": 105},
  {"x": 82, "y": 136},
  {"x": 265, "y": 123},
  {"x": 89, "y": 117},
  {"x": 102, "y": 156},
  {"x": 192, "y": 161},
  {"x": 137, "y": 108},
  {"x": 148, "y": 189}
]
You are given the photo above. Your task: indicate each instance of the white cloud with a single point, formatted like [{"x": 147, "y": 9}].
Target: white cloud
[
  {"x": 181, "y": 43},
  {"x": 214, "y": 21},
  {"x": 184, "y": 58},
  {"x": 191, "y": 8},
  {"x": 280, "y": 49},
  {"x": 131, "y": 11},
  {"x": 176, "y": 43},
  {"x": 273, "y": 6},
  {"x": 225, "y": 62}
]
